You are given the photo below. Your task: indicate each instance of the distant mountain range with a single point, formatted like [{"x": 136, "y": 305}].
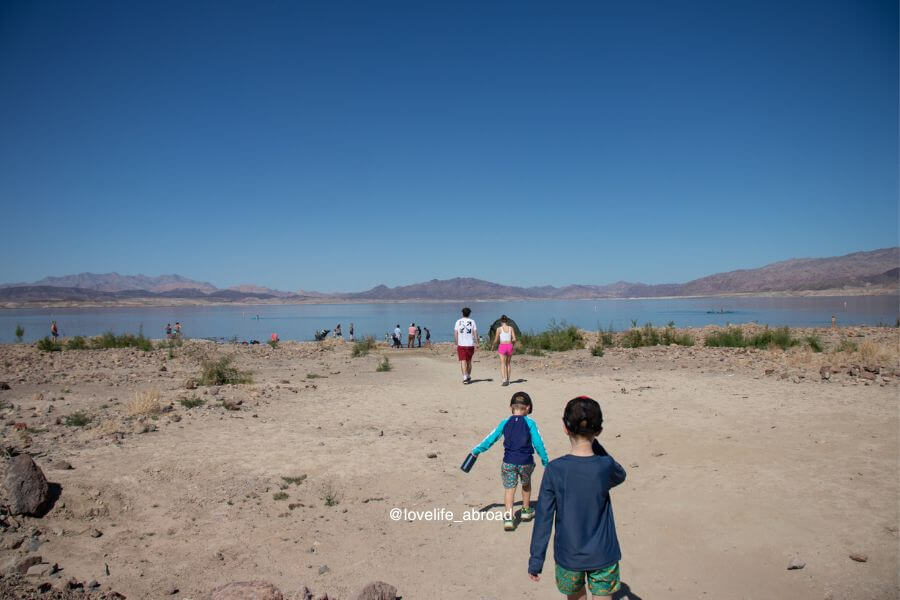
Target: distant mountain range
[{"x": 876, "y": 269}]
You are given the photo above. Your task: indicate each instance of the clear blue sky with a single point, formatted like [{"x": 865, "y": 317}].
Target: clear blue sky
[{"x": 337, "y": 145}]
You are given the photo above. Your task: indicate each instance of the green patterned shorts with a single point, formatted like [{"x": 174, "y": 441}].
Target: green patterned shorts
[
  {"x": 602, "y": 582},
  {"x": 510, "y": 474}
]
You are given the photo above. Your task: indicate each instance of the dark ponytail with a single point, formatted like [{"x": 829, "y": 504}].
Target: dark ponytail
[{"x": 583, "y": 417}]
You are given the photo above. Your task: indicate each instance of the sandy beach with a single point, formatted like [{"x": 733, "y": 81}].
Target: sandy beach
[{"x": 739, "y": 461}]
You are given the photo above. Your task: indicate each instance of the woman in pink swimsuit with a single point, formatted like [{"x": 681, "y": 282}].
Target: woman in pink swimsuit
[{"x": 506, "y": 337}]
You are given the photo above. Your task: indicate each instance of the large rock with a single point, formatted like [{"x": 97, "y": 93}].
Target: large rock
[
  {"x": 26, "y": 486},
  {"x": 378, "y": 590},
  {"x": 246, "y": 590}
]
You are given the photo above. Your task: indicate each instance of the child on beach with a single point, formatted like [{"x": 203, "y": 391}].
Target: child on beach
[
  {"x": 575, "y": 490},
  {"x": 520, "y": 439}
]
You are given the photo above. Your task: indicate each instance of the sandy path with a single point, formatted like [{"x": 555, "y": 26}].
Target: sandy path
[{"x": 735, "y": 475}]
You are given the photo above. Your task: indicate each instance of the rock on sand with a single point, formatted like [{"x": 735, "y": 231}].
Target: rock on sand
[
  {"x": 246, "y": 590},
  {"x": 26, "y": 486}
]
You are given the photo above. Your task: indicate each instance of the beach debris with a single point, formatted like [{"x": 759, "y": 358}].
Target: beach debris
[
  {"x": 246, "y": 590},
  {"x": 323, "y": 569},
  {"x": 796, "y": 564},
  {"x": 173, "y": 589},
  {"x": 657, "y": 454},
  {"x": 95, "y": 533},
  {"x": 859, "y": 557},
  {"x": 305, "y": 594},
  {"x": 26, "y": 487},
  {"x": 377, "y": 590}
]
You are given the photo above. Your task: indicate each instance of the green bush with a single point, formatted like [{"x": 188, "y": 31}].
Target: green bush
[
  {"x": 126, "y": 340},
  {"x": 77, "y": 419},
  {"x": 45, "y": 344},
  {"x": 77, "y": 343},
  {"x": 814, "y": 343},
  {"x": 273, "y": 343},
  {"x": 671, "y": 336},
  {"x": 597, "y": 350},
  {"x": 364, "y": 346},
  {"x": 556, "y": 338},
  {"x": 733, "y": 337},
  {"x": 220, "y": 371},
  {"x": 650, "y": 336},
  {"x": 767, "y": 338},
  {"x": 20, "y": 333},
  {"x": 384, "y": 365},
  {"x": 191, "y": 402},
  {"x": 847, "y": 346}
]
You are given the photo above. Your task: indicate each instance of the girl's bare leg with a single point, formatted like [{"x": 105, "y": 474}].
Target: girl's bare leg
[{"x": 526, "y": 496}]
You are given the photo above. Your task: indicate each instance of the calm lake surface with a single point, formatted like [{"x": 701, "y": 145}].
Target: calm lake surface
[{"x": 299, "y": 322}]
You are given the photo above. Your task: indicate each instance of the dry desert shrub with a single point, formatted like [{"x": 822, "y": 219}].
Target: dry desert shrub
[
  {"x": 802, "y": 358},
  {"x": 145, "y": 403},
  {"x": 109, "y": 427},
  {"x": 873, "y": 353}
]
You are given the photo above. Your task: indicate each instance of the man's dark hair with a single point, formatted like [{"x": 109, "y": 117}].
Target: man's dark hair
[
  {"x": 522, "y": 399},
  {"x": 467, "y": 311},
  {"x": 583, "y": 417}
]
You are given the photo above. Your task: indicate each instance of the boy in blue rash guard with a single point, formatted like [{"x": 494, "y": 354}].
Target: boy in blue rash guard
[
  {"x": 575, "y": 490},
  {"x": 520, "y": 439}
]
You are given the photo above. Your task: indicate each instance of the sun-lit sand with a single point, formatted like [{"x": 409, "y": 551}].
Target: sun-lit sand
[{"x": 738, "y": 461}]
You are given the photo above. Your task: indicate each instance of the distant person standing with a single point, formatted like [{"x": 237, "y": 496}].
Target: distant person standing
[
  {"x": 397, "y": 334},
  {"x": 411, "y": 337},
  {"x": 427, "y": 337},
  {"x": 177, "y": 329},
  {"x": 833, "y": 322},
  {"x": 465, "y": 332},
  {"x": 54, "y": 330},
  {"x": 418, "y": 336},
  {"x": 351, "y": 331},
  {"x": 337, "y": 331},
  {"x": 168, "y": 331}
]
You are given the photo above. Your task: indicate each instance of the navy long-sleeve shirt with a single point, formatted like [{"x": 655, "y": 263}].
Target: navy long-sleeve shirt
[{"x": 575, "y": 491}]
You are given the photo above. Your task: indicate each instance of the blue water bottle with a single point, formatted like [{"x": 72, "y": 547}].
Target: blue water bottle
[{"x": 469, "y": 463}]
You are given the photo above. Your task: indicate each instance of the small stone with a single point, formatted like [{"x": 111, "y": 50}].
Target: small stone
[
  {"x": 95, "y": 533},
  {"x": 867, "y": 375},
  {"x": 633, "y": 465},
  {"x": 4, "y": 385},
  {"x": 859, "y": 557},
  {"x": 432, "y": 455},
  {"x": 172, "y": 590},
  {"x": 323, "y": 569},
  {"x": 246, "y": 590},
  {"x": 657, "y": 454},
  {"x": 377, "y": 590},
  {"x": 163, "y": 369},
  {"x": 795, "y": 564},
  {"x": 22, "y": 565},
  {"x": 39, "y": 570},
  {"x": 93, "y": 584}
]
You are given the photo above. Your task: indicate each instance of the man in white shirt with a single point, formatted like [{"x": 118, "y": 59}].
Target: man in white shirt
[{"x": 464, "y": 334}]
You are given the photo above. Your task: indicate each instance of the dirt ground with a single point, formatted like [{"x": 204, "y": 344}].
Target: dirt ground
[{"x": 738, "y": 462}]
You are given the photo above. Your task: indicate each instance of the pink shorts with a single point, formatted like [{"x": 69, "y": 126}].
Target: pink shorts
[{"x": 506, "y": 349}]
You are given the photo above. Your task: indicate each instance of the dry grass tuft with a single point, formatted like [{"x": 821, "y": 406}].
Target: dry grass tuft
[{"x": 145, "y": 404}]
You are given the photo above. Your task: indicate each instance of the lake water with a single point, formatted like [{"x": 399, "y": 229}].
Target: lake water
[{"x": 299, "y": 322}]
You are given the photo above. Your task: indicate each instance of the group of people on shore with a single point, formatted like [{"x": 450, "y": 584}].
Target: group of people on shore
[
  {"x": 413, "y": 336},
  {"x": 172, "y": 333}
]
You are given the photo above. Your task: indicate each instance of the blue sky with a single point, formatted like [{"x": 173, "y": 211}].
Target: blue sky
[{"x": 338, "y": 145}]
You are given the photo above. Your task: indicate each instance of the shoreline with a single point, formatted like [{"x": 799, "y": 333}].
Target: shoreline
[{"x": 170, "y": 303}]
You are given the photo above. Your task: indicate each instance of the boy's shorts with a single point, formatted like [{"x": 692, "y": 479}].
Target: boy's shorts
[
  {"x": 510, "y": 474},
  {"x": 601, "y": 582}
]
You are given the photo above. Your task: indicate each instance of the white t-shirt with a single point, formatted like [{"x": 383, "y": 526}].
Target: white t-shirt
[{"x": 465, "y": 332}]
